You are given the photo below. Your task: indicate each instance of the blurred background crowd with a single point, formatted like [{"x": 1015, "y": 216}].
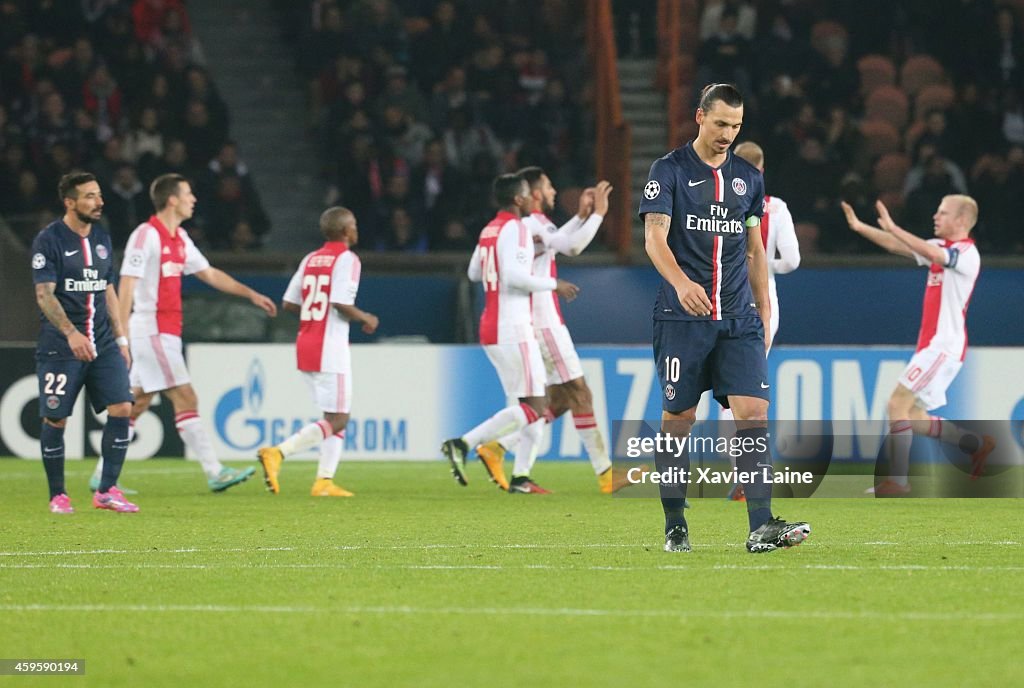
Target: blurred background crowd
[{"x": 414, "y": 105}]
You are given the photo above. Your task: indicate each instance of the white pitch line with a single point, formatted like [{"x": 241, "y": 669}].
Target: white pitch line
[
  {"x": 608, "y": 545},
  {"x": 523, "y": 567},
  {"x": 829, "y": 615}
]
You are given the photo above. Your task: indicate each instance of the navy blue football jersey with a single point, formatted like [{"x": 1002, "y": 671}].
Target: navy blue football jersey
[
  {"x": 81, "y": 267},
  {"x": 711, "y": 209}
]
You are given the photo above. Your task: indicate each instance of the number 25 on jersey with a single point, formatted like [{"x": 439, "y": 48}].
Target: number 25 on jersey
[{"x": 315, "y": 297}]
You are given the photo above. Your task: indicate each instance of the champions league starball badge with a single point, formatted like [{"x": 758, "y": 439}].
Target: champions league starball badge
[{"x": 101, "y": 251}]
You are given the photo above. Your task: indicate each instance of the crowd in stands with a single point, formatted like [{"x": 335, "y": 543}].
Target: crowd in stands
[
  {"x": 903, "y": 101},
  {"x": 417, "y": 104},
  {"x": 117, "y": 88}
]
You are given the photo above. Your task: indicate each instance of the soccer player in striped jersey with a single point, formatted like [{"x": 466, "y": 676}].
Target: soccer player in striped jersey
[
  {"x": 566, "y": 387},
  {"x": 158, "y": 254},
  {"x": 503, "y": 261},
  {"x": 702, "y": 208},
  {"x": 323, "y": 294},
  {"x": 953, "y": 265},
  {"x": 81, "y": 339}
]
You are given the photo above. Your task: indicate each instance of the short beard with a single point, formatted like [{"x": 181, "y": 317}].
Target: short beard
[{"x": 83, "y": 218}]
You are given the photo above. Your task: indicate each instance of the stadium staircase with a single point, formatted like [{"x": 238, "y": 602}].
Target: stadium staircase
[
  {"x": 643, "y": 106},
  {"x": 253, "y": 70}
]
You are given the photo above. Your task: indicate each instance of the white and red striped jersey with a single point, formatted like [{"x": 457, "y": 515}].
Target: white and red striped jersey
[
  {"x": 946, "y": 296},
  {"x": 503, "y": 261},
  {"x": 570, "y": 239},
  {"x": 778, "y": 235},
  {"x": 159, "y": 259},
  {"x": 327, "y": 276}
]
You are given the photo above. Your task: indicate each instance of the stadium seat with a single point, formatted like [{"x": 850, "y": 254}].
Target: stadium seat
[
  {"x": 823, "y": 32},
  {"x": 933, "y": 97},
  {"x": 875, "y": 71},
  {"x": 807, "y": 233},
  {"x": 890, "y": 104},
  {"x": 880, "y": 137},
  {"x": 890, "y": 171},
  {"x": 920, "y": 71},
  {"x": 893, "y": 200}
]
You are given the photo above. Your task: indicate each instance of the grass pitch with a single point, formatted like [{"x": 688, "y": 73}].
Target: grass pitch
[{"x": 419, "y": 582}]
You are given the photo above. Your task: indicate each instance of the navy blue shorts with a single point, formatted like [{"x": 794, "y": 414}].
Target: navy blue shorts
[
  {"x": 105, "y": 379},
  {"x": 725, "y": 356}
]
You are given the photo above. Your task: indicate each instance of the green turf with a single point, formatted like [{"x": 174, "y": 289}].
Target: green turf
[{"x": 419, "y": 582}]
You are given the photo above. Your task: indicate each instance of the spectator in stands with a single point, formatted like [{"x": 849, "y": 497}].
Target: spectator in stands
[
  {"x": 441, "y": 45},
  {"x": 715, "y": 10},
  {"x": 243, "y": 238},
  {"x": 245, "y": 200},
  {"x": 149, "y": 16},
  {"x": 935, "y": 184},
  {"x": 399, "y": 92},
  {"x": 450, "y": 94},
  {"x": 175, "y": 160},
  {"x": 465, "y": 141},
  {"x": 402, "y": 234},
  {"x": 111, "y": 157},
  {"x": 377, "y": 26},
  {"x": 403, "y": 135},
  {"x": 989, "y": 186},
  {"x": 454, "y": 237},
  {"x": 725, "y": 55},
  {"x": 126, "y": 204},
  {"x": 145, "y": 140},
  {"x": 926, "y": 152},
  {"x": 202, "y": 139},
  {"x": 436, "y": 187},
  {"x": 1010, "y": 49},
  {"x": 101, "y": 98}
]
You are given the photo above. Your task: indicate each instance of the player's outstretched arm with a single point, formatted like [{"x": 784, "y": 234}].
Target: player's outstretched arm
[
  {"x": 54, "y": 312},
  {"x": 874, "y": 234},
  {"x": 574, "y": 236},
  {"x": 692, "y": 296},
  {"x": 222, "y": 281},
  {"x": 914, "y": 243}
]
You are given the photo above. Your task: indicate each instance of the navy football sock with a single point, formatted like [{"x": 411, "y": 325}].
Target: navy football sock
[
  {"x": 673, "y": 494},
  {"x": 753, "y": 460},
  {"x": 114, "y": 445},
  {"x": 51, "y": 441}
]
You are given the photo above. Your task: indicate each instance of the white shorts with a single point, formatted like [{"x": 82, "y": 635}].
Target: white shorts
[
  {"x": 560, "y": 358},
  {"x": 332, "y": 392},
  {"x": 928, "y": 375},
  {"x": 520, "y": 368},
  {"x": 157, "y": 363}
]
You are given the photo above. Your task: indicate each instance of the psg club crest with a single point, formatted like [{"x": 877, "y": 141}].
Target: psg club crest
[
  {"x": 670, "y": 392},
  {"x": 739, "y": 186},
  {"x": 652, "y": 190},
  {"x": 101, "y": 251}
]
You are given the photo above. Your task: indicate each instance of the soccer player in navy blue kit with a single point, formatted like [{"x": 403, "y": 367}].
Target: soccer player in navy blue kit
[
  {"x": 702, "y": 210},
  {"x": 81, "y": 340}
]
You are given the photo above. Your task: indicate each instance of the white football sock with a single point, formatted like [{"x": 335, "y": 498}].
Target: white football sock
[
  {"x": 330, "y": 455},
  {"x": 588, "y": 431},
  {"x": 308, "y": 436},
  {"x": 949, "y": 432},
  {"x": 509, "y": 419},
  {"x": 194, "y": 435},
  {"x": 526, "y": 452},
  {"x": 901, "y": 435}
]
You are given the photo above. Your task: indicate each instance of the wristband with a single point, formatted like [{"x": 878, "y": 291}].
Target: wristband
[{"x": 122, "y": 341}]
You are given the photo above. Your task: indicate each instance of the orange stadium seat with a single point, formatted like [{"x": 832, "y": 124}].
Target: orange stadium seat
[
  {"x": 888, "y": 103},
  {"x": 824, "y": 31},
  {"x": 875, "y": 71},
  {"x": 933, "y": 97},
  {"x": 880, "y": 137},
  {"x": 890, "y": 172},
  {"x": 920, "y": 71},
  {"x": 807, "y": 233}
]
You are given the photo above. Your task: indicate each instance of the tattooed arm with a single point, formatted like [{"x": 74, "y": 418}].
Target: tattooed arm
[
  {"x": 692, "y": 296},
  {"x": 54, "y": 312}
]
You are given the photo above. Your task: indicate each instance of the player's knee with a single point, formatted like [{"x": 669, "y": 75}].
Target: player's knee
[
  {"x": 56, "y": 422},
  {"x": 751, "y": 409},
  {"x": 900, "y": 405},
  {"x": 582, "y": 398},
  {"x": 338, "y": 421},
  {"x": 678, "y": 423},
  {"x": 538, "y": 404},
  {"x": 122, "y": 410}
]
